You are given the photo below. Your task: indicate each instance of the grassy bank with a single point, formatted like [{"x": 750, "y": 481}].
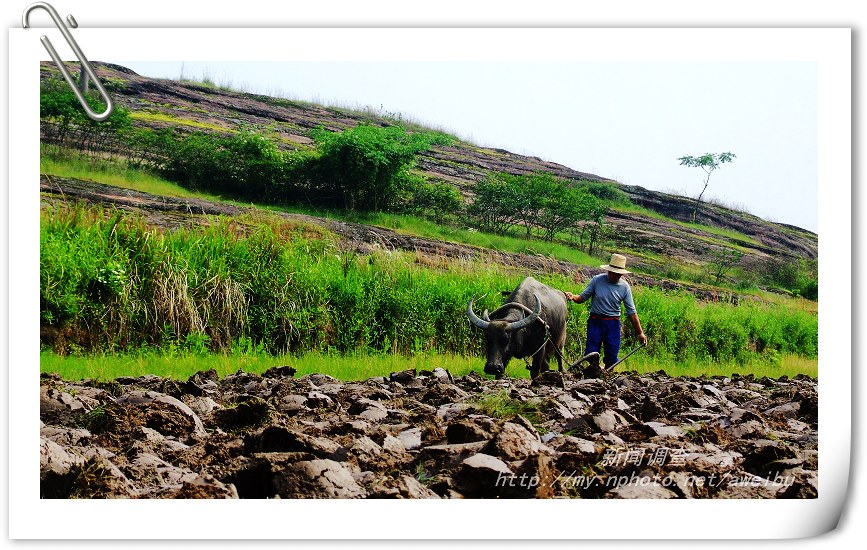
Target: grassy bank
[
  {"x": 112, "y": 285},
  {"x": 65, "y": 164}
]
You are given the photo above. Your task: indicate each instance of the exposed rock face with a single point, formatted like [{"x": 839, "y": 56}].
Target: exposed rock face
[{"x": 428, "y": 436}]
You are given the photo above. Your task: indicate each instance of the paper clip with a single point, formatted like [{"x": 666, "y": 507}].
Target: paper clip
[{"x": 87, "y": 73}]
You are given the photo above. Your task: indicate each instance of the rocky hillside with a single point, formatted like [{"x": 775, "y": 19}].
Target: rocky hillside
[{"x": 651, "y": 241}]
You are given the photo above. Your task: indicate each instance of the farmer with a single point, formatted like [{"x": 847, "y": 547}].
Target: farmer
[{"x": 606, "y": 292}]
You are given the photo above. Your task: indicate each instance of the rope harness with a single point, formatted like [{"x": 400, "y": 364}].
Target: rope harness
[{"x": 544, "y": 342}]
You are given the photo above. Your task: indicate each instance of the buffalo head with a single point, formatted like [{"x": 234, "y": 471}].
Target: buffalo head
[{"x": 499, "y": 332}]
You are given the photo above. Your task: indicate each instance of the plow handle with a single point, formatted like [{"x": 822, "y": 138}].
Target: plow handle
[{"x": 622, "y": 359}]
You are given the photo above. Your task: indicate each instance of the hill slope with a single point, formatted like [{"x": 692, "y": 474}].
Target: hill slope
[{"x": 653, "y": 236}]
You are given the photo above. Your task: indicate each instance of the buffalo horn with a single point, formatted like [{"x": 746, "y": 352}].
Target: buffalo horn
[
  {"x": 526, "y": 321},
  {"x": 474, "y": 319}
]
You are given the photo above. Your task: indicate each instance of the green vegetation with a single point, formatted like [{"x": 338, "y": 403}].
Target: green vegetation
[
  {"x": 365, "y": 168},
  {"x": 55, "y": 161},
  {"x": 681, "y": 330},
  {"x": 543, "y": 202},
  {"x": 261, "y": 285},
  {"x": 503, "y": 405},
  {"x": 362, "y": 169},
  {"x": 285, "y": 286},
  {"x": 146, "y": 116},
  {"x": 180, "y": 365},
  {"x": 798, "y": 276},
  {"x": 68, "y": 123}
]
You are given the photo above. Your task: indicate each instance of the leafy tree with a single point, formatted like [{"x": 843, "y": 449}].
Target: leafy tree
[
  {"x": 437, "y": 201},
  {"x": 498, "y": 204},
  {"x": 709, "y": 162},
  {"x": 558, "y": 206},
  {"x": 59, "y": 107},
  {"x": 594, "y": 231},
  {"x": 363, "y": 168},
  {"x": 539, "y": 200}
]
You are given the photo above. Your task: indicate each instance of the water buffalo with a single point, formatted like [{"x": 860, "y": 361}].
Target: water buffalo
[{"x": 516, "y": 330}]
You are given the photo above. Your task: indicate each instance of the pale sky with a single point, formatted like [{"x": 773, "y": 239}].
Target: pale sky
[{"x": 628, "y": 121}]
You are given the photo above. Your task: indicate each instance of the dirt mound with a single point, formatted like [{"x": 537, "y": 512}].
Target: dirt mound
[{"x": 428, "y": 435}]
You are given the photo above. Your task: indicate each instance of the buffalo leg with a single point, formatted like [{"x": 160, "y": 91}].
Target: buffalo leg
[{"x": 540, "y": 363}]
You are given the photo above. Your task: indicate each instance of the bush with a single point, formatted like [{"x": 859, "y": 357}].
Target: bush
[
  {"x": 608, "y": 193},
  {"x": 798, "y": 276},
  {"x": 245, "y": 165},
  {"x": 680, "y": 328},
  {"x": 437, "y": 201},
  {"x": 365, "y": 168},
  {"x": 66, "y": 122}
]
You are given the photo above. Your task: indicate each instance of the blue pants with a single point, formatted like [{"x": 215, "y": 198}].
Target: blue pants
[{"x": 601, "y": 332}]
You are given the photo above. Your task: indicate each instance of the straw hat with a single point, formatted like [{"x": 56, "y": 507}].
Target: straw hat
[{"x": 617, "y": 264}]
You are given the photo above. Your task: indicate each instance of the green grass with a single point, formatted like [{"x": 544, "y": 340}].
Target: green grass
[
  {"x": 279, "y": 284},
  {"x": 146, "y": 116},
  {"x": 789, "y": 365},
  {"x": 420, "y": 227},
  {"x": 114, "y": 173},
  {"x": 181, "y": 366},
  {"x": 502, "y": 405},
  {"x": 356, "y": 367}
]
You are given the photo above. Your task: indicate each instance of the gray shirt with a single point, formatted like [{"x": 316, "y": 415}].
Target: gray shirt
[{"x": 607, "y": 297}]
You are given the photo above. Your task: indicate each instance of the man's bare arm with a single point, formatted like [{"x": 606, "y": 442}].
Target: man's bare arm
[{"x": 636, "y": 324}]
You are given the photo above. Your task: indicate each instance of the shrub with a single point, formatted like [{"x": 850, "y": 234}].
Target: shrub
[
  {"x": 245, "y": 165},
  {"x": 798, "y": 276},
  {"x": 437, "y": 201},
  {"x": 609, "y": 193},
  {"x": 364, "y": 168},
  {"x": 65, "y": 122}
]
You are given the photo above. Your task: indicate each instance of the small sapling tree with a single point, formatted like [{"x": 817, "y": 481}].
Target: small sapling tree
[
  {"x": 708, "y": 162},
  {"x": 722, "y": 261}
]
